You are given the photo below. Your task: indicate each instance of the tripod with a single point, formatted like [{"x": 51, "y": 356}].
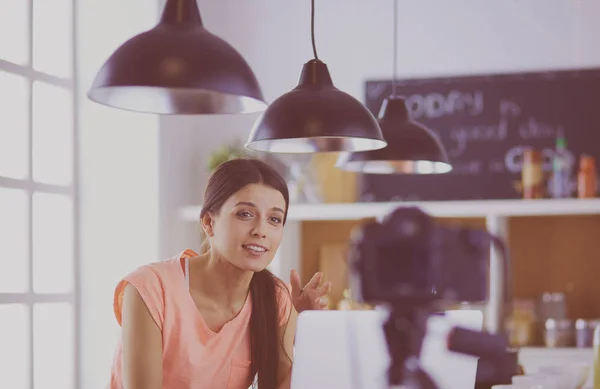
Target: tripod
[{"x": 405, "y": 331}]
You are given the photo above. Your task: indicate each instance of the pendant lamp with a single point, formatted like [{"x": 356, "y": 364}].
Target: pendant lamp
[
  {"x": 178, "y": 67},
  {"x": 412, "y": 148},
  {"x": 315, "y": 116}
]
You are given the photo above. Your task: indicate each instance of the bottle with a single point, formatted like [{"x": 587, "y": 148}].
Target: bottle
[
  {"x": 586, "y": 178},
  {"x": 562, "y": 168},
  {"x": 597, "y": 358},
  {"x": 345, "y": 304},
  {"x": 532, "y": 176}
]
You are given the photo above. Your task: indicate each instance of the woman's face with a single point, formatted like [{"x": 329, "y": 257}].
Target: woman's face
[{"x": 249, "y": 227}]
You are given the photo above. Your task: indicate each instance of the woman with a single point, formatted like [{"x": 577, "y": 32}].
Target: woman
[{"x": 219, "y": 319}]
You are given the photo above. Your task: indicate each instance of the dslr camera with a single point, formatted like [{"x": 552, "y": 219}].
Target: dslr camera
[
  {"x": 409, "y": 258},
  {"x": 417, "y": 267}
]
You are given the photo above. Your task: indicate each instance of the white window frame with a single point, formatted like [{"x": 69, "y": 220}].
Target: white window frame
[{"x": 30, "y": 298}]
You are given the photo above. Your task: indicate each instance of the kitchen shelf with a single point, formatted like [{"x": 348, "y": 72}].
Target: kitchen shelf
[{"x": 463, "y": 208}]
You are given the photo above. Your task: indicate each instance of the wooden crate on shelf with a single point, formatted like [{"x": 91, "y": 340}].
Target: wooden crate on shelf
[
  {"x": 335, "y": 185},
  {"x": 333, "y": 264}
]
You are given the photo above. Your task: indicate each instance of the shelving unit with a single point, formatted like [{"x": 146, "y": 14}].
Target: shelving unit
[{"x": 456, "y": 209}]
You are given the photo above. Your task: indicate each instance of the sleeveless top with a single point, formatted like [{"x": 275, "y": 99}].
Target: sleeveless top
[{"x": 194, "y": 357}]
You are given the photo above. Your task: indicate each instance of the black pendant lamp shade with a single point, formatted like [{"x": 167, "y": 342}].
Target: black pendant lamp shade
[
  {"x": 412, "y": 148},
  {"x": 178, "y": 67},
  {"x": 315, "y": 117}
]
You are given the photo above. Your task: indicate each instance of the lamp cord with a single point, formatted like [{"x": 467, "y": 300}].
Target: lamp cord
[
  {"x": 395, "y": 48},
  {"x": 312, "y": 28}
]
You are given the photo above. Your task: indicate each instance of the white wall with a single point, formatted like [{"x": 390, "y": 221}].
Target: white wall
[
  {"x": 118, "y": 173},
  {"x": 354, "y": 38}
]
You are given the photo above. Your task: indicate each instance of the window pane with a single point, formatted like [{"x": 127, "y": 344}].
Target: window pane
[
  {"x": 52, "y": 134},
  {"x": 14, "y": 125},
  {"x": 52, "y": 243},
  {"x": 53, "y": 342},
  {"x": 14, "y": 346},
  {"x": 14, "y": 31},
  {"x": 52, "y": 37},
  {"x": 14, "y": 250}
]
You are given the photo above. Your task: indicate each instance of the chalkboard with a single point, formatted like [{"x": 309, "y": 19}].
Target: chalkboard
[{"x": 485, "y": 122}]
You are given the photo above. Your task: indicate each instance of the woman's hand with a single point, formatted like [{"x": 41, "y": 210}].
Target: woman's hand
[{"x": 311, "y": 296}]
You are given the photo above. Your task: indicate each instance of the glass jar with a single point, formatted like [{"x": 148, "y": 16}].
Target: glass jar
[
  {"x": 559, "y": 333},
  {"x": 584, "y": 332}
]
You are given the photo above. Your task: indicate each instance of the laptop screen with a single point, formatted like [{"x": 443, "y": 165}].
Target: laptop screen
[{"x": 347, "y": 350}]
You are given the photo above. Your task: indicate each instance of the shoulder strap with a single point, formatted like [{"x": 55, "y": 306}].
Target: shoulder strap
[{"x": 187, "y": 272}]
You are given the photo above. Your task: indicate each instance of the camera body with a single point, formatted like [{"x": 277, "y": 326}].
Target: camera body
[{"x": 409, "y": 258}]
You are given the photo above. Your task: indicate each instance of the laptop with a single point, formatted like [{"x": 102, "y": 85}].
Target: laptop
[{"x": 347, "y": 350}]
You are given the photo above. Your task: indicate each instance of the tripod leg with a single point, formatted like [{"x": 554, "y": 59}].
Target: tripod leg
[{"x": 404, "y": 333}]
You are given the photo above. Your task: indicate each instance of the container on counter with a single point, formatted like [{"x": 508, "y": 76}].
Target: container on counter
[
  {"x": 521, "y": 324},
  {"x": 596, "y": 372},
  {"x": 587, "y": 185},
  {"x": 345, "y": 304},
  {"x": 584, "y": 332},
  {"x": 532, "y": 175},
  {"x": 559, "y": 333},
  {"x": 553, "y": 306},
  {"x": 561, "y": 183}
]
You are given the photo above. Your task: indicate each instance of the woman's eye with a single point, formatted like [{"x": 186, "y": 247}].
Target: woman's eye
[
  {"x": 244, "y": 214},
  {"x": 276, "y": 219}
]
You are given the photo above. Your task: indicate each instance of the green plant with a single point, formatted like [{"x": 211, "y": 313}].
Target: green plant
[{"x": 226, "y": 153}]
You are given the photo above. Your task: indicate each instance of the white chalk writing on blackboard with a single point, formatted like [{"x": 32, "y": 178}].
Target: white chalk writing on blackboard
[
  {"x": 534, "y": 129},
  {"x": 435, "y": 105},
  {"x": 513, "y": 159},
  {"x": 375, "y": 90},
  {"x": 496, "y": 166},
  {"x": 510, "y": 112},
  {"x": 461, "y": 136},
  {"x": 509, "y": 108}
]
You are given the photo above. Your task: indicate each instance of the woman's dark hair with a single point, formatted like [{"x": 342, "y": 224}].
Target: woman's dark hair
[{"x": 228, "y": 178}]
